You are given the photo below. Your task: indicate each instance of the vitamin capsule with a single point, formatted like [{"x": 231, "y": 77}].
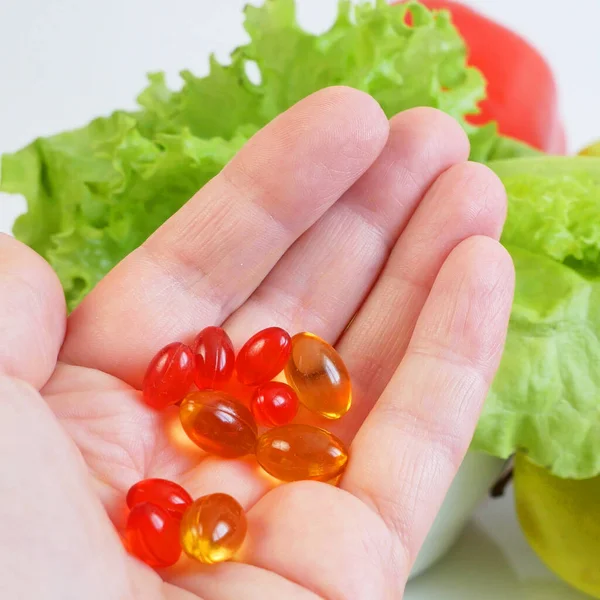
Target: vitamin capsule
[
  {"x": 295, "y": 452},
  {"x": 213, "y": 528},
  {"x": 215, "y": 358},
  {"x": 263, "y": 356},
  {"x": 152, "y": 535},
  {"x": 169, "y": 376},
  {"x": 274, "y": 403},
  {"x": 218, "y": 423},
  {"x": 319, "y": 376},
  {"x": 163, "y": 493}
]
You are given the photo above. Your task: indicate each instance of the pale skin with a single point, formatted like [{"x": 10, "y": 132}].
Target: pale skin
[{"x": 330, "y": 211}]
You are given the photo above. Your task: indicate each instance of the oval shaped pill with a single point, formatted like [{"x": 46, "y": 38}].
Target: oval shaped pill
[
  {"x": 214, "y": 357},
  {"x": 319, "y": 376},
  {"x": 152, "y": 535},
  {"x": 169, "y": 376},
  {"x": 218, "y": 423},
  {"x": 213, "y": 528},
  {"x": 295, "y": 452},
  {"x": 160, "y": 492},
  {"x": 263, "y": 356},
  {"x": 274, "y": 403}
]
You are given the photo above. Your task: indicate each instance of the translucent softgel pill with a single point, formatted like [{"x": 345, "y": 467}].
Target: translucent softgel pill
[
  {"x": 167, "y": 494},
  {"x": 215, "y": 358},
  {"x": 213, "y": 528},
  {"x": 152, "y": 535},
  {"x": 319, "y": 376},
  {"x": 218, "y": 423},
  {"x": 295, "y": 452},
  {"x": 263, "y": 356},
  {"x": 169, "y": 376}
]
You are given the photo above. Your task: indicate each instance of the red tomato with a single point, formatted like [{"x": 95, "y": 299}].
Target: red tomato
[{"x": 521, "y": 92}]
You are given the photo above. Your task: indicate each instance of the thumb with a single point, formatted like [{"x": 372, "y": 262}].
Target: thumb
[
  {"x": 32, "y": 314},
  {"x": 57, "y": 541}
]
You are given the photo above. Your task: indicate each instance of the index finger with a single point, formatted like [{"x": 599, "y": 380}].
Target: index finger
[{"x": 210, "y": 256}]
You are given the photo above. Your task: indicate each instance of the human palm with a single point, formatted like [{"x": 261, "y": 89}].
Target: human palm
[{"x": 375, "y": 235}]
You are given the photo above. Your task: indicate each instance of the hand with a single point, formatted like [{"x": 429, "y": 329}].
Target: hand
[{"x": 329, "y": 212}]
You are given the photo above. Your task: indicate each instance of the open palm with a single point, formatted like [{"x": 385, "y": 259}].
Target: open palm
[{"x": 375, "y": 235}]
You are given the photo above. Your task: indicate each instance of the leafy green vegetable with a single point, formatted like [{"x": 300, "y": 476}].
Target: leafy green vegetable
[
  {"x": 545, "y": 399},
  {"x": 96, "y": 193}
]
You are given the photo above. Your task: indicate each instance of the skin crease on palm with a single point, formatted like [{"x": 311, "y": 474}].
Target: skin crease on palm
[{"x": 330, "y": 212}]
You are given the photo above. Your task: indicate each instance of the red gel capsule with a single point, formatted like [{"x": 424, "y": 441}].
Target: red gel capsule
[
  {"x": 274, "y": 403},
  {"x": 163, "y": 493},
  {"x": 152, "y": 535},
  {"x": 169, "y": 376},
  {"x": 263, "y": 356},
  {"x": 215, "y": 358}
]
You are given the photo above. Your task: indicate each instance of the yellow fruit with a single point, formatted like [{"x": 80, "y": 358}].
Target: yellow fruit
[
  {"x": 561, "y": 521},
  {"x": 593, "y": 150}
]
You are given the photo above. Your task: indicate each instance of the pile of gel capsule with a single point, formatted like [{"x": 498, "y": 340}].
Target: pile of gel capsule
[{"x": 234, "y": 396}]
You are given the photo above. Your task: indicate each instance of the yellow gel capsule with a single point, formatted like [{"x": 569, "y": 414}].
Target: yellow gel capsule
[
  {"x": 296, "y": 452},
  {"x": 213, "y": 528},
  {"x": 319, "y": 376}
]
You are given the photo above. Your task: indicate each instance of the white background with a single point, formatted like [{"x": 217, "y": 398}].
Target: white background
[{"x": 63, "y": 62}]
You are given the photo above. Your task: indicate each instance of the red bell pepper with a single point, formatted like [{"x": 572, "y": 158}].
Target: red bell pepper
[{"x": 521, "y": 93}]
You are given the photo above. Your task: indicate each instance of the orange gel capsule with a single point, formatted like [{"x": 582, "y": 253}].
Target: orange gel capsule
[
  {"x": 295, "y": 452},
  {"x": 218, "y": 423},
  {"x": 213, "y": 528},
  {"x": 169, "y": 376},
  {"x": 319, "y": 376}
]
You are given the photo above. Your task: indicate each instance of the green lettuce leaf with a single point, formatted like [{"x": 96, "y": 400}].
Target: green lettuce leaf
[
  {"x": 545, "y": 399},
  {"x": 97, "y": 193},
  {"x": 368, "y": 48}
]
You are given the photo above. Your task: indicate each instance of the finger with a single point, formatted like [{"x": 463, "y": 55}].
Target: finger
[
  {"x": 32, "y": 314},
  {"x": 211, "y": 255},
  {"x": 411, "y": 445},
  {"x": 322, "y": 280},
  {"x": 326, "y": 540},
  {"x": 49, "y": 510},
  {"x": 234, "y": 581},
  {"x": 468, "y": 199}
]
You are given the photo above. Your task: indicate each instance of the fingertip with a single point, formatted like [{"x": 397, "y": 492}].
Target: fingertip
[
  {"x": 429, "y": 134},
  {"x": 32, "y": 313},
  {"x": 490, "y": 261},
  {"x": 476, "y": 285},
  {"x": 372, "y": 124},
  {"x": 480, "y": 197},
  {"x": 351, "y": 115}
]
